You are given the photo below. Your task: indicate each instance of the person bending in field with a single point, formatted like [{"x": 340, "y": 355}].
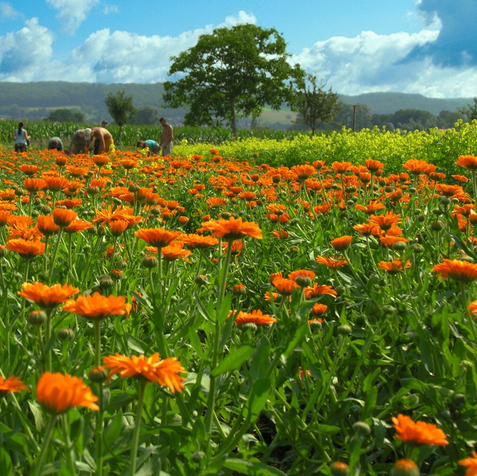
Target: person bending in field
[
  {"x": 55, "y": 144},
  {"x": 102, "y": 140},
  {"x": 152, "y": 145},
  {"x": 167, "y": 137},
  {"x": 21, "y": 138},
  {"x": 80, "y": 142}
]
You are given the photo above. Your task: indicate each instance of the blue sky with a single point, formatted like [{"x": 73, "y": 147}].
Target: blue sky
[{"x": 414, "y": 46}]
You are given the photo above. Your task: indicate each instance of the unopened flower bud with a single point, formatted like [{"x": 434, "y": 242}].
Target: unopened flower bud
[
  {"x": 65, "y": 334},
  {"x": 36, "y": 318},
  {"x": 98, "y": 374},
  {"x": 150, "y": 262},
  {"x": 339, "y": 469}
]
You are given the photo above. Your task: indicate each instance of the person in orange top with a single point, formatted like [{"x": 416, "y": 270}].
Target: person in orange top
[{"x": 101, "y": 140}]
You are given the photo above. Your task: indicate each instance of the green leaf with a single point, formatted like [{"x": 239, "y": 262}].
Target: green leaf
[
  {"x": 328, "y": 429},
  {"x": 5, "y": 463},
  {"x": 257, "y": 399},
  {"x": 252, "y": 468},
  {"x": 234, "y": 360}
]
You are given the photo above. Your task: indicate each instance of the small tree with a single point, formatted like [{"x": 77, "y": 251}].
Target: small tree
[
  {"x": 230, "y": 73},
  {"x": 470, "y": 111},
  {"x": 315, "y": 105},
  {"x": 145, "y": 116},
  {"x": 121, "y": 109}
]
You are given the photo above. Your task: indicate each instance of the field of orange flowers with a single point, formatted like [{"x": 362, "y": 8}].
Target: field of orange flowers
[{"x": 202, "y": 315}]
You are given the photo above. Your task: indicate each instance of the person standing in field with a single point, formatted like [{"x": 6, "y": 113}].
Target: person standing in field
[
  {"x": 152, "y": 145},
  {"x": 102, "y": 140},
  {"x": 55, "y": 143},
  {"x": 104, "y": 124},
  {"x": 21, "y": 138},
  {"x": 167, "y": 137},
  {"x": 80, "y": 141}
]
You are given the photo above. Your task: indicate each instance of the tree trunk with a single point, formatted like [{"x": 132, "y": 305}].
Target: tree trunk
[{"x": 234, "y": 118}]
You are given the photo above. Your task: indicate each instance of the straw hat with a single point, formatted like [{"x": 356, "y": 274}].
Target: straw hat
[{"x": 87, "y": 134}]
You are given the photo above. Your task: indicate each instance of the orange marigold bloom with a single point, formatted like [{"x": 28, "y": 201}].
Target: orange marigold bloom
[
  {"x": 416, "y": 166},
  {"x": 331, "y": 262},
  {"x": 194, "y": 241},
  {"x": 97, "y": 306},
  {"x": 118, "y": 227},
  {"x": 319, "y": 290},
  {"x": 372, "y": 207},
  {"x": 471, "y": 464},
  {"x": 11, "y": 385},
  {"x": 163, "y": 372},
  {"x": 255, "y": 317},
  {"x": 158, "y": 237},
  {"x": 280, "y": 234},
  {"x": 385, "y": 221},
  {"x": 47, "y": 225},
  {"x": 175, "y": 251},
  {"x": 473, "y": 308},
  {"x": 28, "y": 169},
  {"x": 34, "y": 185},
  {"x": 340, "y": 167},
  {"x": 63, "y": 217},
  {"x": 460, "y": 178},
  {"x": 342, "y": 243},
  {"x": 368, "y": 229},
  {"x": 393, "y": 267},
  {"x": 77, "y": 226},
  {"x": 418, "y": 432},
  {"x": 467, "y": 161},
  {"x": 302, "y": 172},
  {"x": 233, "y": 229},
  {"x": 301, "y": 272},
  {"x": 26, "y": 248},
  {"x": 100, "y": 160},
  {"x": 391, "y": 240},
  {"x": 284, "y": 286},
  {"x": 461, "y": 271},
  {"x": 55, "y": 184},
  {"x": 45, "y": 296},
  {"x": 215, "y": 202},
  {"x": 318, "y": 309},
  {"x": 58, "y": 393},
  {"x": 373, "y": 165}
]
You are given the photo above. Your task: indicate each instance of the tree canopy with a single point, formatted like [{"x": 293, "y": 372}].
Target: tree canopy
[
  {"x": 121, "y": 108},
  {"x": 65, "y": 115},
  {"x": 232, "y": 72},
  {"x": 470, "y": 111},
  {"x": 316, "y": 105}
]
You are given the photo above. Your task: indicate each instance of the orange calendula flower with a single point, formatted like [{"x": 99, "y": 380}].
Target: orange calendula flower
[
  {"x": 302, "y": 172},
  {"x": 284, "y": 286},
  {"x": 193, "y": 241},
  {"x": 331, "y": 262},
  {"x": 77, "y": 226},
  {"x": 319, "y": 290},
  {"x": 391, "y": 240},
  {"x": 373, "y": 165},
  {"x": 63, "y": 216},
  {"x": 45, "y": 296},
  {"x": 467, "y": 161},
  {"x": 461, "y": 271},
  {"x": 342, "y": 243},
  {"x": 163, "y": 372},
  {"x": 255, "y": 317},
  {"x": 11, "y": 385},
  {"x": 386, "y": 221},
  {"x": 25, "y": 248},
  {"x": 158, "y": 237},
  {"x": 416, "y": 166},
  {"x": 233, "y": 229},
  {"x": 58, "y": 393},
  {"x": 418, "y": 432},
  {"x": 301, "y": 272},
  {"x": 393, "y": 267},
  {"x": 97, "y": 306},
  {"x": 471, "y": 464},
  {"x": 47, "y": 225},
  {"x": 175, "y": 251}
]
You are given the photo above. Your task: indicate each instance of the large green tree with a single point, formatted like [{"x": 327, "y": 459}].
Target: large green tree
[
  {"x": 233, "y": 72},
  {"x": 315, "y": 104},
  {"x": 65, "y": 115},
  {"x": 121, "y": 108}
]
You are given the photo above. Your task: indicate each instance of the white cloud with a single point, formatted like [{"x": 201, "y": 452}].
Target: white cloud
[
  {"x": 110, "y": 9},
  {"x": 72, "y": 13},
  {"x": 25, "y": 53},
  {"x": 7, "y": 12},
  {"x": 370, "y": 62},
  {"x": 243, "y": 17}
]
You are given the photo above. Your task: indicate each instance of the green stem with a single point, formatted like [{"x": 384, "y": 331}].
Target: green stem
[
  {"x": 55, "y": 252},
  {"x": 100, "y": 413},
  {"x": 137, "y": 427},
  {"x": 70, "y": 455},
  {"x": 46, "y": 445}
]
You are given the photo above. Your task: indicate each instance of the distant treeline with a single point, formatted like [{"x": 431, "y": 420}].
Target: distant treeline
[{"x": 38, "y": 100}]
